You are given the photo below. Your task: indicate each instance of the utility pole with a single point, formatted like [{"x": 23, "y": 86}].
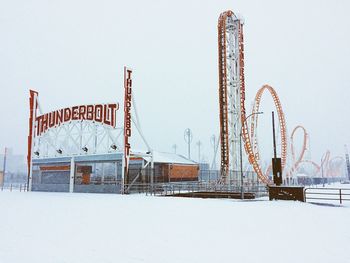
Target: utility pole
[
  {"x": 241, "y": 152},
  {"x": 213, "y": 143},
  {"x": 4, "y": 167},
  {"x": 241, "y": 164},
  {"x": 199, "y": 143},
  {"x": 174, "y": 147},
  {"x": 276, "y": 162},
  {"x": 188, "y": 139}
]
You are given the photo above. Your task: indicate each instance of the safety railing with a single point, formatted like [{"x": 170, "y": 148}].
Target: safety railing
[
  {"x": 12, "y": 187},
  {"x": 327, "y": 194},
  {"x": 164, "y": 189}
]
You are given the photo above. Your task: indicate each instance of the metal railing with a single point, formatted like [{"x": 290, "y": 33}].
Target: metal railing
[
  {"x": 170, "y": 188},
  {"x": 12, "y": 187},
  {"x": 327, "y": 194},
  {"x": 164, "y": 189}
]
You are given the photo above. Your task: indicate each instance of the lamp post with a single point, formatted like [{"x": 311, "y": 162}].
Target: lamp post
[
  {"x": 175, "y": 147},
  {"x": 188, "y": 139},
  {"x": 241, "y": 153},
  {"x": 213, "y": 142},
  {"x": 199, "y": 144}
]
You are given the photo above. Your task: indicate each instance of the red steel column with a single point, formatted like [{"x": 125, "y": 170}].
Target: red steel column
[{"x": 31, "y": 133}]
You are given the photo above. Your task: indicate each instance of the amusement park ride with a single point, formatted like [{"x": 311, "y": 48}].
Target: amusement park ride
[
  {"x": 234, "y": 125},
  {"x": 347, "y": 162},
  {"x": 88, "y": 133},
  {"x": 233, "y": 119}
]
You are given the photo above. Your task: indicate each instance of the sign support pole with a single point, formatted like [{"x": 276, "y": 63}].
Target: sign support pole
[
  {"x": 72, "y": 173},
  {"x": 32, "y": 117}
]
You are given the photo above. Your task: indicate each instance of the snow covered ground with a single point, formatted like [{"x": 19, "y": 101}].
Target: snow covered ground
[{"x": 67, "y": 228}]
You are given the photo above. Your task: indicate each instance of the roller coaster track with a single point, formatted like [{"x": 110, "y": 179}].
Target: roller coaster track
[
  {"x": 302, "y": 153},
  {"x": 281, "y": 119},
  {"x": 233, "y": 119},
  {"x": 317, "y": 166},
  {"x": 326, "y": 163},
  {"x": 297, "y": 161},
  {"x": 332, "y": 172},
  {"x": 232, "y": 100},
  {"x": 300, "y": 159}
]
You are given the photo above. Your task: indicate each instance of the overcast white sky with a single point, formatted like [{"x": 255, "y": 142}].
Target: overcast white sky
[{"x": 73, "y": 52}]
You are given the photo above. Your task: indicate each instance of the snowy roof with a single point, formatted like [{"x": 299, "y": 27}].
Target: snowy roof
[
  {"x": 158, "y": 157},
  {"x": 302, "y": 175},
  {"x": 162, "y": 157}
]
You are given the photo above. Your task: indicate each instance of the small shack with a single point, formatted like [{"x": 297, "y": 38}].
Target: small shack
[{"x": 168, "y": 167}]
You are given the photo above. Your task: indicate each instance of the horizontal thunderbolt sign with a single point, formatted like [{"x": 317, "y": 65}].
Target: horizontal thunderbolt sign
[{"x": 102, "y": 113}]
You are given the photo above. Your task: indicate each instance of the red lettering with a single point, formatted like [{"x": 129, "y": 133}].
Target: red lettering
[
  {"x": 82, "y": 112},
  {"x": 127, "y": 114},
  {"x": 98, "y": 113},
  {"x": 75, "y": 113},
  {"x": 127, "y": 148},
  {"x": 44, "y": 122},
  {"x": 59, "y": 117},
  {"x": 90, "y": 112},
  {"x": 129, "y": 71},
  {"x": 52, "y": 119},
  {"x": 129, "y": 82},
  {"x": 128, "y": 91},
  {"x": 67, "y": 114},
  {"x": 113, "y": 108},
  {"x": 39, "y": 125},
  {"x": 106, "y": 113}
]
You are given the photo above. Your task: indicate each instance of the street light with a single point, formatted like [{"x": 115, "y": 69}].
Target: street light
[
  {"x": 240, "y": 146},
  {"x": 213, "y": 142},
  {"x": 174, "y": 147},
  {"x": 188, "y": 139},
  {"x": 199, "y": 143}
]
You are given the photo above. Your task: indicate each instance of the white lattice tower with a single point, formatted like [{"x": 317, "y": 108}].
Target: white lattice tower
[{"x": 229, "y": 93}]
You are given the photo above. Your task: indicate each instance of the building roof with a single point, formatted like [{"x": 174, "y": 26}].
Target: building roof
[
  {"x": 80, "y": 158},
  {"x": 158, "y": 157},
  {"x": 162, "y": 157}
]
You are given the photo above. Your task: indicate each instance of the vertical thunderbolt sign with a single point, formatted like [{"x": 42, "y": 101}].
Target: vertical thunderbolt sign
[
  {"x": 127, "y": 121},
  {"x": 33, "y": 105}
]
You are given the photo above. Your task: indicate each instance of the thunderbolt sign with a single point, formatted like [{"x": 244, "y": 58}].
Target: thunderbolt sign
[{"x": 102, "y": 113}]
